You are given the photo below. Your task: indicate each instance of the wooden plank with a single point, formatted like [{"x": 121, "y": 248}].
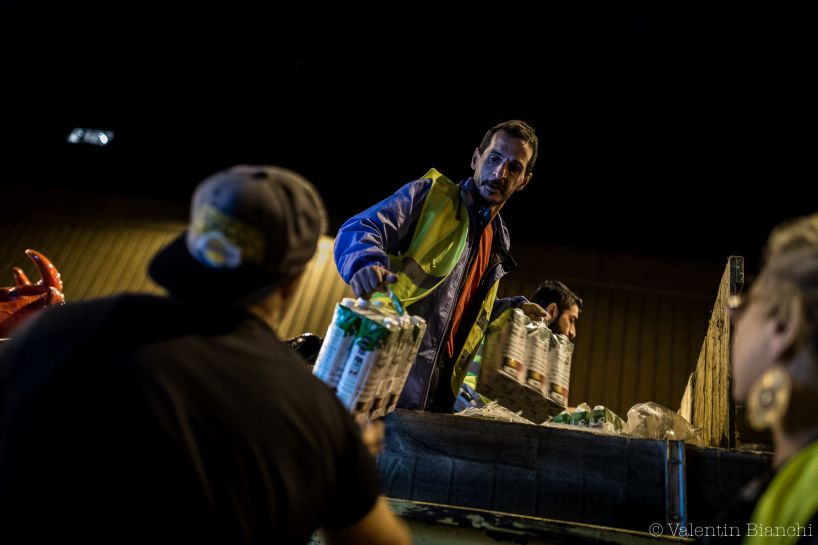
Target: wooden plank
[
  {"x": 713, "y": 408},
  {"x": 434, "y": 523}
]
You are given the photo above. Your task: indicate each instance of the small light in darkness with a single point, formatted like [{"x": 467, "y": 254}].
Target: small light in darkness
[{"x": 94, "y": 137}]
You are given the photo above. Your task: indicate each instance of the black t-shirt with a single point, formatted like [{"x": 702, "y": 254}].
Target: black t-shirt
[{"x": 138, "y": 419}]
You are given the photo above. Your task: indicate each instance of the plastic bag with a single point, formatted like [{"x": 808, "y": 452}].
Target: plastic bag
[
  {"x": 654, "y": 421},
  {"x": 494, "y": 411}
]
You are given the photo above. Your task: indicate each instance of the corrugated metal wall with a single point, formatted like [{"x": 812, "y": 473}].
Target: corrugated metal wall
[
  {"x": 98, "y": 258},
  {"x": 314, "y": 303},
  {"x": 95, "y": 258},
  {"x": 634, "y": 343}
]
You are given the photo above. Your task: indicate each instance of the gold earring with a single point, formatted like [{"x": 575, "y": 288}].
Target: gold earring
[{"x": 769, "y": 398}]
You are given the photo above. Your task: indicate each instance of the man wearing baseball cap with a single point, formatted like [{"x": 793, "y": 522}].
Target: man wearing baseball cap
[{"x": 144, "y": 419}]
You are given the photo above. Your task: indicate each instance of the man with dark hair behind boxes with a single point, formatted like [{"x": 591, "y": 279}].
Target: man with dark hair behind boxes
[
  {"x": 183, "y": 419},
  {"x": 562, "y": 305}
]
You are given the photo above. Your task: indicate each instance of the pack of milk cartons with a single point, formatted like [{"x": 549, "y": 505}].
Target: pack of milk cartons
[
  {"x": 367, "y": 354},
  {"x": 525, "y": 367}
]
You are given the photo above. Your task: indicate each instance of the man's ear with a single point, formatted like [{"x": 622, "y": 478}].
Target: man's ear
[
  {"x": 475, "y": 158},
  {"x": 553, "y": 311},
  {"x": 788, "y": 332}
]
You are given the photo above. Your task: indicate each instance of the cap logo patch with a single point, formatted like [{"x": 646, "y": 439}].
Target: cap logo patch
[{"x": 223, "y": 242}]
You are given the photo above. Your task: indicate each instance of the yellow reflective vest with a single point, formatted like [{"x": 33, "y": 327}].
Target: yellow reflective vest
[{"x": 436, "y": 247}]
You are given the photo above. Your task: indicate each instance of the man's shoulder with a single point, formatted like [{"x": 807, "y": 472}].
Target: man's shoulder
[
  {"x": 133, "y": 300},
  {"x": 84, "y": 315},
  {"x": 416, "y": 189}
]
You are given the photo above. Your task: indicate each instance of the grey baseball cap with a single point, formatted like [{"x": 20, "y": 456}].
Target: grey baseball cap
[{"x": 252, "y": 228}]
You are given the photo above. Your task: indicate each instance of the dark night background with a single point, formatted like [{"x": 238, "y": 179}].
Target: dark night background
[{"x": 683, "y": 134}]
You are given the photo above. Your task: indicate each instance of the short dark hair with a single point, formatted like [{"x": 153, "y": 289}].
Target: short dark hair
[
  {"x": 554, "y": 291},
  {"x": 518, "y": 129}
]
